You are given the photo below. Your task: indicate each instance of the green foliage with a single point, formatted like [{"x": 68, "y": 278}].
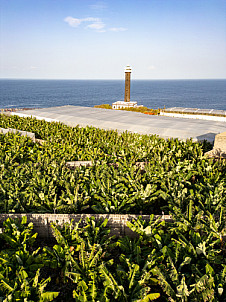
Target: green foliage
[
  {"x": 142, "y": 110},
  {"x": 133, "y": 109},
  {"x": 187, "y": 257},
  {"x": 23, "y": 288},
  {"x": 20, "y": 267},
  {"x": 97, "y": 232},
  {"x": 183, "y": 260},
  {"x": 103, "y": 106},
  {"x": 17, "y": 233},
  {"x": 34, "y": 178}
]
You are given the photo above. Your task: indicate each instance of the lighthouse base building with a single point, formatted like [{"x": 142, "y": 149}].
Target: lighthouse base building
[{"x": 121, "y": 105}]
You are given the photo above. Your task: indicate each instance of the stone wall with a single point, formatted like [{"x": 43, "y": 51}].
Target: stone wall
[
  {"x": 220, "y": 142},
  {"x": 42, "y": 222},
  {"x": 219, "y": 148},
  {"x": 31, "y": 135}
]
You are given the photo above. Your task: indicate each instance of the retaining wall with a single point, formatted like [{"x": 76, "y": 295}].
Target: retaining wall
[
  {"x": 31, "y": 135},
  {"x": 220, "y": 142},
  {"x": 116, "y": 223}
]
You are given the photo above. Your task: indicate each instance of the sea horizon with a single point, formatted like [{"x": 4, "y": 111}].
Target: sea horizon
[
  {"x": 157, "y": 93},
  {"x": 122, "y": 79}
]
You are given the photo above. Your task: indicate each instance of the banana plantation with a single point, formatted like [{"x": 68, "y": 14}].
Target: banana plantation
[{"x": 182, "y": 260}]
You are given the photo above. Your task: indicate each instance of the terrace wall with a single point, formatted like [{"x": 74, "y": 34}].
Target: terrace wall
[
  {"x": 31, "y": 135},
  {"x": 116, "y": 223}
]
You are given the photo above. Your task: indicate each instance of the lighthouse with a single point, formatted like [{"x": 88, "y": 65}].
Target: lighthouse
[
  {"x": 126, "y": 104},
  {"x": 127, "y": 83}
]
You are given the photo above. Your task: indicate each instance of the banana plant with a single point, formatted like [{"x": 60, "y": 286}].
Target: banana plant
[
  {"x": 23, "y": 288},
  {"x": 97, "y": 232},
  {"x": 18, "y": 234},
  {"x": 20, "y": 267},
  {"x": 131, "y": 283}
]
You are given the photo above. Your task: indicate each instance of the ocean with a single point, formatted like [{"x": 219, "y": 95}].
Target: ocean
[{"x": 209, "y": 94}]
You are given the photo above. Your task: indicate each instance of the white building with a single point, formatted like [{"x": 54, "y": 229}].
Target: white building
[{"x": 121, "y": 104}]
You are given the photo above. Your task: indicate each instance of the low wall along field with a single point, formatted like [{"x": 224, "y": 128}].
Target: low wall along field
[{"x": 116, "y": 223}]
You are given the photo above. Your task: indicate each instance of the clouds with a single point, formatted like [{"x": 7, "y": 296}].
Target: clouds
[
  {"x": 98, "y": 25},
  {"x": 116, "y": 29},
  {"x": 75, "y": 22},
  {"x": 92, "y": 23},
  {"x": 95, "y": 24}
]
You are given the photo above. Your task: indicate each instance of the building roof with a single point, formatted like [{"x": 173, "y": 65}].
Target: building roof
[
  {"x": 123, "y": 103},
  {"x": 121, "y": 120}
]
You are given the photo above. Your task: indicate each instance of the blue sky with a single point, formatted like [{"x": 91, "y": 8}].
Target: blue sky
[{"x": 86, "y": 39}]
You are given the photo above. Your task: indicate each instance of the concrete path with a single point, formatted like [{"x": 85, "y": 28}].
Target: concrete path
[{"x": 165, "y": 127}]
